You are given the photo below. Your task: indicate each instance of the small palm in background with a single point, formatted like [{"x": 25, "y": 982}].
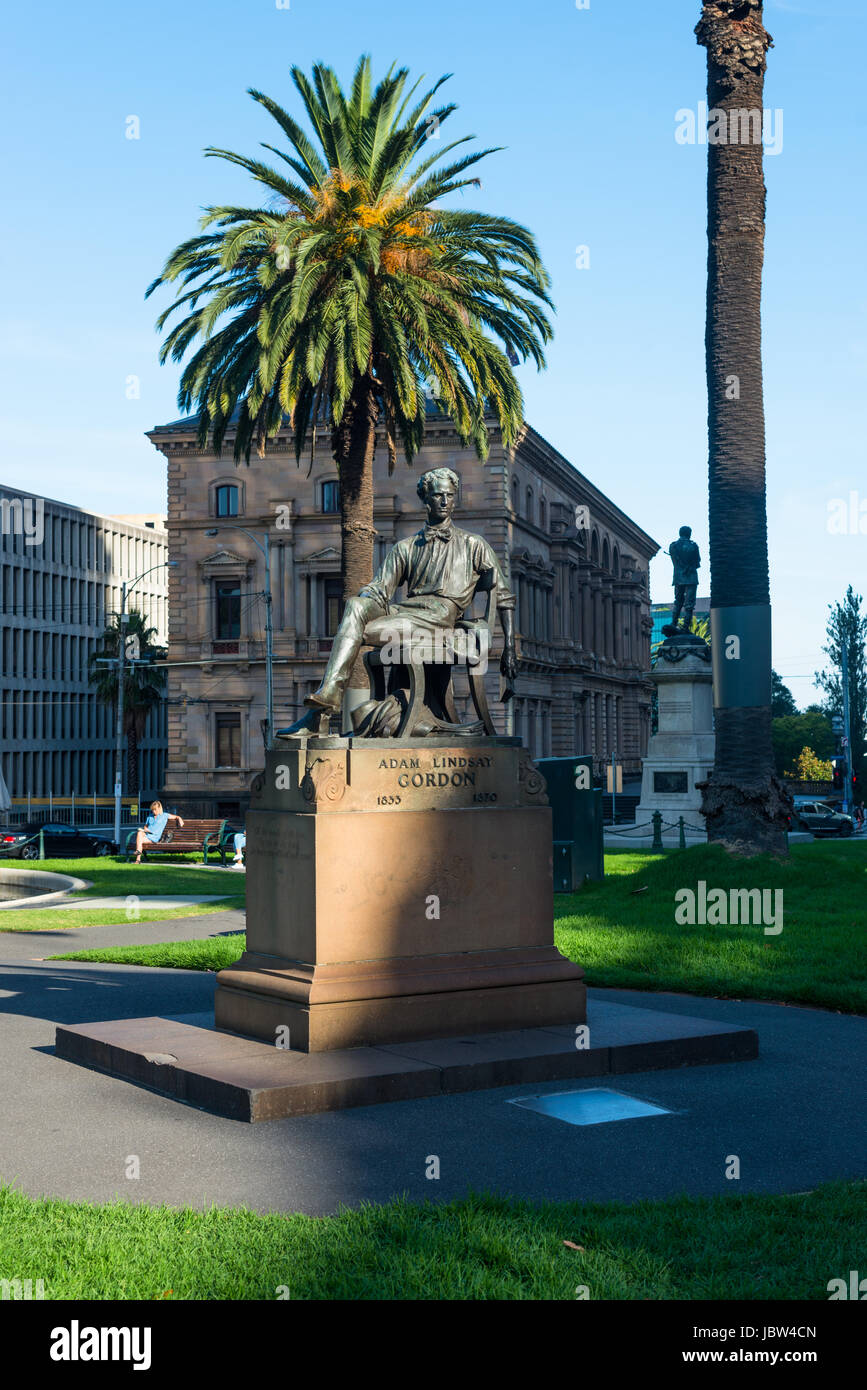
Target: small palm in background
[{"x": 143, "y": 686}]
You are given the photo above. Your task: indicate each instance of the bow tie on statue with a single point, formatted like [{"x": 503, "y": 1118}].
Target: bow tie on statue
[{"x": 439, "y": 533}]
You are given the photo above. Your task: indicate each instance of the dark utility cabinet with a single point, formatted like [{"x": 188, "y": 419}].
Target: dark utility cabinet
[{"x": 576, "y": 806}]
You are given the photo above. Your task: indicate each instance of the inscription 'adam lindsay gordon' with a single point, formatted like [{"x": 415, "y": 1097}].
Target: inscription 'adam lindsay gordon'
[{"x": 456, "y": 771}]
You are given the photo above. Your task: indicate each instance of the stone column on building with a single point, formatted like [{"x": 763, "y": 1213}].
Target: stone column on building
[
  {"x": 598, "y": 619},
  {"x": 299, "y": 593},
  {"x": 586, "y": 608}
]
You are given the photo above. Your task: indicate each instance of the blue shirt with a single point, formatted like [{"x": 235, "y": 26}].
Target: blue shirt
[{"x": 155, "y": 825}]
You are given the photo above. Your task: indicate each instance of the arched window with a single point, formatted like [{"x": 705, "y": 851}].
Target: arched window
[
  {"x": 616, "y": 563},
  {"x": 606, "y": 555},
  {"x": 227, "y": 500},
  {"x": 543, "y": 513},
  {"x": 529, "y": 508},
  {"x": 594, "y": 548},
  {"x": 515, "y": 496},
  {"x": 331, "y": 495}
]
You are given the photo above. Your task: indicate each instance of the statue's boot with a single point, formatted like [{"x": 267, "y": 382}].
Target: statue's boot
[
  {"x": 310, "y": 722},
  {"x": 327, "y": 699}
]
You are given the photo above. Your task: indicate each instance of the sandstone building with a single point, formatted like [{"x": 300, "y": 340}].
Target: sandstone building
[{"x": 577, "y": 563}]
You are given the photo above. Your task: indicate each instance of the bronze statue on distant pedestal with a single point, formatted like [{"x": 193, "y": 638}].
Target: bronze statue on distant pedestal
[{"x": 686, "y": 559}]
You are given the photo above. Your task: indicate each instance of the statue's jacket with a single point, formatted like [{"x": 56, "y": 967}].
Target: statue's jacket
[{"x": 438, "y": 563}]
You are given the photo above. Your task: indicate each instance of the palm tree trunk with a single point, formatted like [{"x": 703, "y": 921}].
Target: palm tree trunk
[
  {"x": 353, "y": 444},
  {"x": 744, "y": 802}
]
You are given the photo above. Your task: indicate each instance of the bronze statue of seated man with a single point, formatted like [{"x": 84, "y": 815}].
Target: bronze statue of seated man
[{"x": 441, "y": 567}]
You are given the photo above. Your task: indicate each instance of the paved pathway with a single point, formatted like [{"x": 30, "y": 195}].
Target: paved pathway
[
  {"x": 121, "y": 904},
  {"x": 795, "y": 1117}
]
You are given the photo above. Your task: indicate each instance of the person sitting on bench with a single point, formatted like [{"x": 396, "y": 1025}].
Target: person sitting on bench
[{"x": 154, "y": 828}]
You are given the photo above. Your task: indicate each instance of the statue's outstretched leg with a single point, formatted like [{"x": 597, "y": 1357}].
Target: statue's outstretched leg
[{"x": 346, "y": 646}]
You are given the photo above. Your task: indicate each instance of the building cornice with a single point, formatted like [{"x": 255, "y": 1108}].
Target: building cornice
[{"x": 180, "y": 439}]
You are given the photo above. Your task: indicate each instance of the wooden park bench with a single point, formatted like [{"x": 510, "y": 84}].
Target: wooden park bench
[
  {"x": 226, "y": 845},
  {"x": 193, "y": 837}
]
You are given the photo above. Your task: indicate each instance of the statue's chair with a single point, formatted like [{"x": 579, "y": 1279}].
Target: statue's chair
[{"x": 425, "y": 684}]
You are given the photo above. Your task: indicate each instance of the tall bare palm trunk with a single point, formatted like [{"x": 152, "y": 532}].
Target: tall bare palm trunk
[
  {"x": 353, "y": 445},
  {"x": 744, "y": 802}
]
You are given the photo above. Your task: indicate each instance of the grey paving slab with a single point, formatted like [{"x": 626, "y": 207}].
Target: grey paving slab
[
  {"x": 609, "y": 1023},
  {"x": 119, "y": 904}
]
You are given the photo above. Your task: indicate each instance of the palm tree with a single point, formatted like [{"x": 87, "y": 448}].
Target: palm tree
[
  {"x": 744, "y": 802},
  {"x": 143, "y": 686},
  {"x": 352, "y": 289}
]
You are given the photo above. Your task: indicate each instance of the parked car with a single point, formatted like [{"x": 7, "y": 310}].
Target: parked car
[
  {"x": 821, "y": 819},
  {"x": 61, "y": 842}
]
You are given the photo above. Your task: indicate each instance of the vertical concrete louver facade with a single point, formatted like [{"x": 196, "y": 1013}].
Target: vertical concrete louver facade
[{"x": 61, "y": 570}]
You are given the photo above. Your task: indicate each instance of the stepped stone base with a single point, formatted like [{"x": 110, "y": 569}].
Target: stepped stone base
[{"x": 185, "y": 1058}]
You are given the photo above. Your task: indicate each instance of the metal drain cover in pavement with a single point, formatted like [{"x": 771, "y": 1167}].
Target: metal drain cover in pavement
[{"x": 593, "y": 1107}]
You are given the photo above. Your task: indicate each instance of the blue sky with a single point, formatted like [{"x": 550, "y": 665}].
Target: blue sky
[{"x": 585, "y": 102}]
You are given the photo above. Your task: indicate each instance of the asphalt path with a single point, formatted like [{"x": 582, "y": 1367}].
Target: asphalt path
[{"x": 794, "y": 1117}]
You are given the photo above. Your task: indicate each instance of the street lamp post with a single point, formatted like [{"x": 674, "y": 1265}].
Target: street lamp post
[
  {"x": 269, "y": 631},
  {"x": 121, "y": 659}
]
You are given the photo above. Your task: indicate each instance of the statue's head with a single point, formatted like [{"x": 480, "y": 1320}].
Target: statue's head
[
  {"x": 438, "y": 490},
  {"x": 685, "y": 533}
]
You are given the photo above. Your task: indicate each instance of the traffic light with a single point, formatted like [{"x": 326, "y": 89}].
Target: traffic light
[{"x": 839, "y": 774}]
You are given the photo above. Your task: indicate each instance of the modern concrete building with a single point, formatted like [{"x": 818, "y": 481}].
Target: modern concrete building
[
  {"x": 60, "y": 584},
  {"x": 578, "y": 564}
]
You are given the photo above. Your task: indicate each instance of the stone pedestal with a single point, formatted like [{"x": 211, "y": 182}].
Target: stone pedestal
[
  {"x": 397, "y": 892},
  {"x": 682, "y": 752}
]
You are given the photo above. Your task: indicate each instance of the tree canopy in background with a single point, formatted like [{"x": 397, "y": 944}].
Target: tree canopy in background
[
  {"x": 792, "y": 733},
  {"x": 782, "y": 699}
]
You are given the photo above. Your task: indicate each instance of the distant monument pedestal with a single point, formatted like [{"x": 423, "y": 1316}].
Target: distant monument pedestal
[
  {"x": 397, "y": 891},
  {"x": 681, "y": 753}
]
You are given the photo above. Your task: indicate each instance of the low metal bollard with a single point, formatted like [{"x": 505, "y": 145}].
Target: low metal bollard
[{"x": 657, "y": 830}]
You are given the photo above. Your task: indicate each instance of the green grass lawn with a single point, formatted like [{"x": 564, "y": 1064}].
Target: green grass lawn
[
  {"x": 482, "y": 1247},
  {"x": 631, "y": 939},
  {"x": 110, "y": 878},
  {"x": 212, "y": 953}
]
